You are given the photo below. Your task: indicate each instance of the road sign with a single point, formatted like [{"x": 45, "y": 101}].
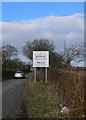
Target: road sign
[{"x": 40, "y": 58}]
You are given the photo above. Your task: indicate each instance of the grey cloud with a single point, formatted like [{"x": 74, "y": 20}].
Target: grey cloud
[{"x": 55, "y": 28}]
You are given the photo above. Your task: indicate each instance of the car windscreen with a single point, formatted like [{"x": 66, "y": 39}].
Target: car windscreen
[{"x": 19, "y": 72}]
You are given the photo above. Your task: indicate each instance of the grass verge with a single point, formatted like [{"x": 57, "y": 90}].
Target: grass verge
[{"x": 39, "y": 103}]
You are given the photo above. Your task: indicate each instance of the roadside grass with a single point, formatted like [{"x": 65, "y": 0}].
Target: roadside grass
[
  {"x": 64, "y": 88},
  {"x": 39, "y": 103}
]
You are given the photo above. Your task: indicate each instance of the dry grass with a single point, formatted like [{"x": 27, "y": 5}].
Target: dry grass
[{"x": 67, "y": 87}]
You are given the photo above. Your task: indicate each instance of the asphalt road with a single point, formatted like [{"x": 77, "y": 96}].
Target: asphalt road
[{"x": 12, "y": 93}]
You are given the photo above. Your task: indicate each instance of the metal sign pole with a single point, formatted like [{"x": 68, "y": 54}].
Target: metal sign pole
[
  {"x": 46, "y": 74},
  {"x": 35, "y": 75}
]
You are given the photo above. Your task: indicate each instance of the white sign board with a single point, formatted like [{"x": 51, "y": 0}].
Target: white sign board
[{"x": 40, "y": 58}]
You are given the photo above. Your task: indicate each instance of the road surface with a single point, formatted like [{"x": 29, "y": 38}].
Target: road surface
[{"x": 12, "y": 92}]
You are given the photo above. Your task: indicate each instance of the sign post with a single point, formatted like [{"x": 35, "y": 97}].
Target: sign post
[
  {"x": 40, "y": 59},
  {"x": 46, "y": 74},
  {"x": 35, "y": 75}
]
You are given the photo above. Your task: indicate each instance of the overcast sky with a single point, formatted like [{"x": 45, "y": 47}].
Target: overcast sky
[{"x": 24, "y": 22}]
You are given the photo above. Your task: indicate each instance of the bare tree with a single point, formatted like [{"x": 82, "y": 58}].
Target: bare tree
[
  {"x": 72, "y": 53},
  {"x": 42, "y": 45},
  {"x": 8, "y": 52},
  {"x": 37, "y": 45}
]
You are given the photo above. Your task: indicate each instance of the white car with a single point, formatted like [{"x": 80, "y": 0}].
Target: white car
[{"x": 19, "y": 74}]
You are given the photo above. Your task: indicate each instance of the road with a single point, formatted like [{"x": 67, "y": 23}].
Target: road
[{"x": 12, "y": 93}]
